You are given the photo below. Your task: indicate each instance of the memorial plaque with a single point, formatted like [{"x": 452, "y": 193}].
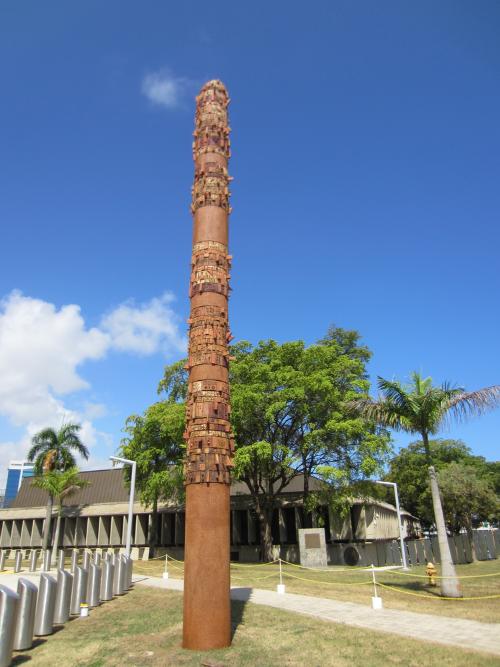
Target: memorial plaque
[{"x": 313, "y": 541}]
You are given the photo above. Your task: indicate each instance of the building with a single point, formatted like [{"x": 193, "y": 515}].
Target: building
[
  {"x": 97, "y": 517},
  {"x": 16, "y": 472}
]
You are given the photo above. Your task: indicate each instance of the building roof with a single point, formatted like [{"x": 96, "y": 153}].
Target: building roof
[{"x": 108, "y": 486}]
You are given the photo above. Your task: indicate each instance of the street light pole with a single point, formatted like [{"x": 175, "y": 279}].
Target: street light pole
[
  {"x": 117, "y": 459},
  {"x": 401, "y": 540}
]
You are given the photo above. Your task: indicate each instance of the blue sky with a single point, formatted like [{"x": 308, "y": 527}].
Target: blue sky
[{"x": 366, "y": 149}]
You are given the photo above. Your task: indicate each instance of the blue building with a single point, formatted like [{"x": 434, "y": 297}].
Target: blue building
[{"x": 16, "y": 472}]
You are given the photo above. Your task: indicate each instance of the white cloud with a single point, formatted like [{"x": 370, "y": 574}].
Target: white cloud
[
  {"x": 164, "y": 89},
  {"x": 145, "y": 328},
  {"x": 42, "y": 349}
]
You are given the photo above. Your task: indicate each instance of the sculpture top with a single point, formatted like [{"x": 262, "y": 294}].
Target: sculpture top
[{"x": 214, "y": 83}]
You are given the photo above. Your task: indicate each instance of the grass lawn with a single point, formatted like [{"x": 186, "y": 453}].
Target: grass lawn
[
  {"x": 347, "y": 584},
  {"x": 144, "y": 627}
]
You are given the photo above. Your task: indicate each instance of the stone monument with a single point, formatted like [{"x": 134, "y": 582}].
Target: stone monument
[
  {"x": 312, "y": 547},
  {"x": 208, "y": 436}
]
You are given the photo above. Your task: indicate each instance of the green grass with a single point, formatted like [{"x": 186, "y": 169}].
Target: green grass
[
  {"x": 144, "y": 628},
  {"x": 347, "y": 584}
]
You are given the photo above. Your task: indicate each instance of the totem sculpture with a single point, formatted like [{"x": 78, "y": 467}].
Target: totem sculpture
[{"x": 208, "y": 436}]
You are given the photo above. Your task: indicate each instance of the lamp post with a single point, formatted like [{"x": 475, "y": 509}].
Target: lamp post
[
  {"x": 117, "y": 459},
  {"x": 395, "y": 487}
]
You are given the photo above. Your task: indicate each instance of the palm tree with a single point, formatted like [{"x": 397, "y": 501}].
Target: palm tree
[
  {"x": 422, "y": 408},
  {"x": 59, "y": 484},
  {"x": 53, "y": 450}
]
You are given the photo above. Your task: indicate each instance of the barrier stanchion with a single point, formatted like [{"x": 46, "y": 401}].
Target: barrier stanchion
[
  {"x": 376, "y": 600},
  {"x": 97, "y": 558},
  {"x": 47, "y": 560},
  {"x": 108, "y": 570},
  {"x": 3, "y": 556},
  {"x": 165, "y": 571},
  {"x": 86, "y": 559},
  {"x": 8, "y": 610},
  {"x": 281, "y": 585},
  {"x": 79, "y": 590},
  {"x": 18, "y": 561},
  {"x": 123, "y": 574},
  {"x": 94, "y": 586},
  {"x": 25, "y": 617},
  {"x": 60, "y": 559},
  {"x": 74, "y": 560},
  {"x": 130, "y": 565},
  {"x": 118, "y": 577},
  {"x": 45, "y": 606},
  {"x": 63, "y": 596},
  {"x": 33, "y": 560}
]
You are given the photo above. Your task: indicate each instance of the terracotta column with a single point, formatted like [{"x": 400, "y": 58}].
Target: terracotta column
[{"x": 209, "y": 441}]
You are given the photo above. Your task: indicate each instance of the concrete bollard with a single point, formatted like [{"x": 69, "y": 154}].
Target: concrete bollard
[
  {"x": 97, "y": 558},
  {"x": 94, "y": 586},
  {"x": 47, "y": 560},
  {"x": 130, "y": 565},
  {"x": 45, "y": 606},
  {"x": 33, "y": 560},
  {"x": 60, "y": 559},
  {"x": 86, "y": 560},
  {"x": 8, "y": 611},
  {"x": 108, "y": 571},
  {"x": 3, "y": 556},
  {"x": 74, "y": 559},
  {"x": 118, "y": 577},
  {"x": 25, "y": 618},
  {"x": 63, "y": 597},
  {"x": 17, "y": 562},
  {"x": 79, "y": 591}
]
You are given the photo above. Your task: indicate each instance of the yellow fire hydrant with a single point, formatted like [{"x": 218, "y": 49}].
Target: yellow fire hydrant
[{"x": 430, "y": 571}]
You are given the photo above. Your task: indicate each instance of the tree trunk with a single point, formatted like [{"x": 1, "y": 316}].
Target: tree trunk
[
  {"x": 305, "y": 497},
  {"x": 47, "y": 525},
  {"x": 153, "y": 534},
  {"x": 470, "y": 535},
  {"x": 266, "y": 535},
  {"x": 58, "y": 528},
  {"x": 450, "y": 585}
]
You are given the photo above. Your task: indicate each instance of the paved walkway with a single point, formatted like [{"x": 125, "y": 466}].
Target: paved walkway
[{"x": 425, "y": 627}]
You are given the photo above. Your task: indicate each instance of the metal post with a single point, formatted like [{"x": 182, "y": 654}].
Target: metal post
[
  {"x": 47, "y": 557},
  {"x": 25, "y": 618},
  {"x": 60, "y": 559},
  {"x": 86, "y": 559},
  {"x": 398, "y": 511},
  {"x": 33, "y": 560},
  {"x": 108, "y": 571},
  {"x": 130, "y": 571},
  {"x": 74, "y": 560},
  {"x": 97, "y": 557},
  {"x": 8, "y": 610},
  {"x": 79, "y": 592},
  {"x": 18, "y": 561},
  {"x": 63, "y": 597},
  {"x": 45, "y": 607},
  {"x": 117, "y": 459},
  {"x": 3, "y": 556},
  {"x": 118, "y": 577},
  {"x": 94, "y": 586}
]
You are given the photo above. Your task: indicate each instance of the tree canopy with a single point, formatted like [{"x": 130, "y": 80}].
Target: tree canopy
[{"x": 54, "y": 450}]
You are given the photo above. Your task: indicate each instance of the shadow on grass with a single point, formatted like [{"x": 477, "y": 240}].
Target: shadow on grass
[{"x": 239, "y": 599}]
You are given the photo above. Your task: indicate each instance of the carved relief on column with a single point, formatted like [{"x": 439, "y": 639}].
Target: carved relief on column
[{"x": 208, "y": 435}]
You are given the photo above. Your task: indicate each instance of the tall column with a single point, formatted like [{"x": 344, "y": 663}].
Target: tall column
[{"x": 207, "y": 611}]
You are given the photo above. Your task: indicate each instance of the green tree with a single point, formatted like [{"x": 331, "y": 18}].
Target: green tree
[
  {"x": 155, "y": 441},
  {"x": 466, "y": 497},
  {"x": 409, "y": 470},
  {"x": 422, "y": 408},
  {"x": 54, "y": 450},
  {"x": 289, "y": 418},
  {"x": 59, "y": 484}
]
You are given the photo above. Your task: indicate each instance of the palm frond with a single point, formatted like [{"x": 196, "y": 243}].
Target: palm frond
[{"x": 465, "y": 404}]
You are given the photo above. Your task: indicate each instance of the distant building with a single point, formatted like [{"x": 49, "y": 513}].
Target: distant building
[
  {"x": 97, "y": 517},
  {"x": 16, "y": 472}
]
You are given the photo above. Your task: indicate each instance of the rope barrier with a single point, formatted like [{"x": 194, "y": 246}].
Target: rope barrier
[
  {"x": 331, "y": 583},
  {"x": 425, "y": 576},
  {"x": 437, "y": 597}
]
